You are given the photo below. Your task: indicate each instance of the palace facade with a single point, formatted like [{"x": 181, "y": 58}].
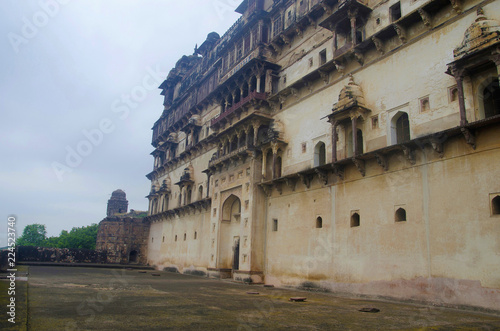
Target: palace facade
[{"x": 346, "y": 145}]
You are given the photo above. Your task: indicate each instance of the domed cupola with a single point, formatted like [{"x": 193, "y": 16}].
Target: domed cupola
[{"x": 481, "y": 34}]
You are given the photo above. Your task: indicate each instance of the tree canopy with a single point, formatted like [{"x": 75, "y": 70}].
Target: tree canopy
[
  {"x": 36, "y": 235},
  {"x": 33, "y": 235}
]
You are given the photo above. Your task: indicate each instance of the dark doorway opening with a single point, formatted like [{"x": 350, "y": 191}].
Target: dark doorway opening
[{"x": 133, "y": 257}]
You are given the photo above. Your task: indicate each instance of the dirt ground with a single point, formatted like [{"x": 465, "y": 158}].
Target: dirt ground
[{"x": 77, "y": 298}]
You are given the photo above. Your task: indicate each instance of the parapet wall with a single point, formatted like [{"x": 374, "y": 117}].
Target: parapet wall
[{"x": 63, "y": 255}]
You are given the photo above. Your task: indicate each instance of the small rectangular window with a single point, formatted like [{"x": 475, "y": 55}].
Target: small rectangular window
[
  {"x": 275, "y": 224},
  {"x": 424, "y": 104},
  {"x": 453, "y": 94},
  {"x": 395, "y": 12},
  {"x": 322, "y": 57}
]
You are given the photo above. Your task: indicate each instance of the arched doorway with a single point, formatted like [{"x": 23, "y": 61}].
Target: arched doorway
[
  {"x": 319, "y": 154},
  {"x": 133, "y": 257},
  {"x": 229, "y": 237},
  {"x": 491, "y": 99}
]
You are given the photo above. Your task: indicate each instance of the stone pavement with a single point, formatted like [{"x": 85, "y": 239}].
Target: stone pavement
[{"x": 77, "y": 298}]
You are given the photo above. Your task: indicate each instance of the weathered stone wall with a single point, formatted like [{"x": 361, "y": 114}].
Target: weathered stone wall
[
  {"x": 124, "y": 239},
  {"x": 63, "y": 255}
]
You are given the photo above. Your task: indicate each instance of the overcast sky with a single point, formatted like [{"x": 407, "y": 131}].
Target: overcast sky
[{"x": 78, "y": 98}]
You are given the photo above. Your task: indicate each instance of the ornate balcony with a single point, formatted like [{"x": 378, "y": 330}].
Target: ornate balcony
[{"x": 238, "y": 107}]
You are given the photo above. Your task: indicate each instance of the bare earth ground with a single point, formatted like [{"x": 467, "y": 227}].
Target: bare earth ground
[{"x": 74, "y": 298}]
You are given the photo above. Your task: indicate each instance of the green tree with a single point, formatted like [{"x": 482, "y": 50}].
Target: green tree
[
  {"x": 83, "y": 237},
  {"x": 33, "y": 235}
]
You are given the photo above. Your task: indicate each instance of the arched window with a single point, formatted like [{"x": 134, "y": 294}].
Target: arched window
[
  {"x": 253, "y": 84},
  {"x": 319, "y": 223},
  {"x": 200, "y": 192},
  {"x": 165, "y": 202},
  {"x": 242, "y": 140},
  {"x": 319, "y": 154},
  {"x": 495, "y": 205},
  {"x": 400, "y": 215},
  {"x": 269, "y": 164},
  {"x": 491, "y": 99},
  {"x": 355, "y": 220},
  {"x": 231, "y": 209},
  {"x": 278, "y": 167},
  {"x": 402, "y": 128},
  {"x": 189, "y": 191},
  {"x": 359, "y": 143}
]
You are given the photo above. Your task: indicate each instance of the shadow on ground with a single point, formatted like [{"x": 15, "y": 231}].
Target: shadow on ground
[{"x": 62, "y": 298}]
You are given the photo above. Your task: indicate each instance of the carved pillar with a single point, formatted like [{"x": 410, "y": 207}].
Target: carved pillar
[
  {"x": 256, "y": 127},
  {"x": 275, "y": 159},
  {"x": 459, "y": 76},
  {"x": 247, "y": 138},
  {"x": 335, "y": 39},
  {"x": 264, "y": 163},
  {"x": 208, "y": 184},
  {"x": 238, "y": 136},
  {"x": 269, "y": 81},
  {"x": 352, "y": 18},
  {"x": 334, "y": 142},
  {"x": 257, "y": 88},
  {"x": 354, "y": 136}
]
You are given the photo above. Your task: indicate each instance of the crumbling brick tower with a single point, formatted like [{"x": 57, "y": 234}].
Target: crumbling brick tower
[{"x": 118, "y": 203}]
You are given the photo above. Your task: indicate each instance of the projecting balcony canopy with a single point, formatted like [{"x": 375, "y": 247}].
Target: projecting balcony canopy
[
  {"x": 346, "y": 9},
  {"x": 254, "y": 98}
]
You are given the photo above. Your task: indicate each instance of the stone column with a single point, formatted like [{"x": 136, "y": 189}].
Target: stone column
[
  {"x": 256, "y": 127},
  {"x": 459, "y": 76},
  {"x": 269, "y": 81},
  {"x": 334, "y": 39},
  {"x": 264, "y": 162},
  {"x": 275, "y": 157},
  {"x": 247, "y": 138},
  {"x": 208, "y": 184},
  {"x": 352, "y": 18},
  {"x": 257, "y": 88},
  {"x": 238, "y": 136},
  {"x": 334, "y": 142},
  {"x": 354, "y": 136}
]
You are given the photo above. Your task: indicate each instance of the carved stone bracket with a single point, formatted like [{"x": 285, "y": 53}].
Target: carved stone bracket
[
  {"x": 322, "y": 175},
  {"x": 382, "y": 161},
  {"x": 457, "y": 6},
  {"x": 326, "y": 8},
  {"x": 285, "y": 39},
  {"x": 295, "y": 92},
  {"x": 426, "y": 18},
  {"x": 469, "y": 136},
  {"x": 311, "y": 21},
  {"x": 298, "y": 30},
  {"x": 268, "y": 189},
  {"x": 360, "y": 165},
  {"x": 438, "y": 146},
  {"x": 306, "y": 179},
  {"x": 338, "y": 171},
  {"x": 409, "y": 154},
  {"x": 358, "y": 56},
  {"x": 291, "y": 182},
  {"x": 278, "y": 187},
  {"x": 309, "y": 86},
  {"x": 379, "y": 45},
  {"x": 325, "y": 76},
  {"x": 340, "y": 67},
  {"x": 401, "y": 32}
]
